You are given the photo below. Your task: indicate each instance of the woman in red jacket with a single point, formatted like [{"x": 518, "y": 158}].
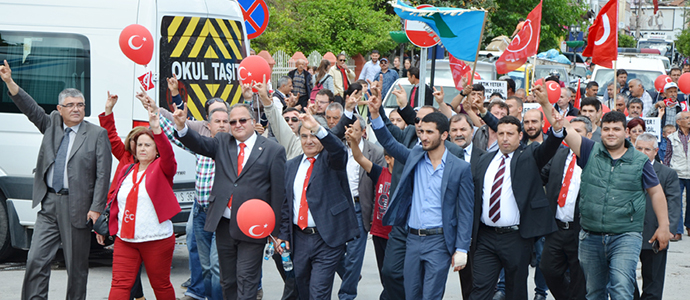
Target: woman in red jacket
[{"x": 143, "y": 203}]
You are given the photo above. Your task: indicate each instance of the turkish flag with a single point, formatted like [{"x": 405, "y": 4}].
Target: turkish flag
[
  {"x": 578, "y": 97},
  {"x": 459, "y": 68},
  {"x": 524, "y": 44},
  {"x": 602, "y": 43},
  {"x": 146, "y": 80}
]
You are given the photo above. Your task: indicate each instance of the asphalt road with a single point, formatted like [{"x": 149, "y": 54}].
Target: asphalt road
[{"x": 12, "y": 273}]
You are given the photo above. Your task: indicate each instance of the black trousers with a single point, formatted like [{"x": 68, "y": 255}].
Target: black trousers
[
  {"x": 394, "y": 264},
  {"x": 496, "y": 251},
  {"x": 559, "y": 256},
  {"x": 380, "y": 249},
  {"x": 653, "y": 274},
  {"x": 314, "y": 265},
  {"x": 289, "y": 289},
  {"x": 240, "y": 264},
  {"x": 466, "y": 278}
]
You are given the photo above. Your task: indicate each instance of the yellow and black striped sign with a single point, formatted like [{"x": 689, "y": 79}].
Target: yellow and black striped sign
[{"x": 204, "y": 54}]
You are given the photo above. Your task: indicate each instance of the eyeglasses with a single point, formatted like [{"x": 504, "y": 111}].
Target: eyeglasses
[
  {"x": 71, "y": 105},
  {"x": 294, "y": 119},
  {"x": 342, "y": 60},
  {"x": 384, "y": 62},
  {"x": 242, "y": 121},
  {"x": 417, "y": 120}
]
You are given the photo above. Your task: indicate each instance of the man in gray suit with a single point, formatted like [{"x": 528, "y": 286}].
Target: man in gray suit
[{"x": 71, "y": 184}]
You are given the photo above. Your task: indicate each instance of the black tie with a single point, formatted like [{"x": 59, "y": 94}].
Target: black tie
[{"x": 60, "y": 161}]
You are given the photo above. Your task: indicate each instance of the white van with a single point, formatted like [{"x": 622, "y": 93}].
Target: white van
[
  {"x": 643, "y": 67},
  {"x": 53, "y": 45}
]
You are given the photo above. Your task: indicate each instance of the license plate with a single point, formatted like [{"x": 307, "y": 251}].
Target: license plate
[{"x": 185, "y": 196}]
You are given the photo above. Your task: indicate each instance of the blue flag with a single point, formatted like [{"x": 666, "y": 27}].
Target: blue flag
[{"x": 459, "y": 29}]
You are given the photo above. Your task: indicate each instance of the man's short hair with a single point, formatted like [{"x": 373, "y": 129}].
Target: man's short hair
[
  {"x": 361, "y": 82},
  {"x": 670, "y": 125},
  {"x": 592, "y": 84},
  {"x": 552, "y": 78},
  {"x": 511, "y": 120},
  {"x": 440, "y": 119},
  {"x": 623, "y": 96},
  {"x": 69, "y": 92},
  {"x": 583, "y": 119},
  {"x": 478, "y": 87},
  {"x": 674, "y": 69},
  {"x": 638, "y": 81},
  {"x": 283, "y": 80},
  {"x": 500, "y": 104},
  {"x": 460, "y": 117},
  {"x": 355, "y": 86},
  {"x": 496, "y": 94},
  {"x": 635, "y": 100},
  {"x": 621, "y": 71},
  {"x": 341, "y": 55},
  {"x": 335, "y": 106},
  {"x": 568, "y": 91},
  {"x": 290, "y": 109},
  {"x": 517, "y": 99},
  {"x": 207, "y": 104},
  {"x": 572, "y": 91},
  {"x": 647, "y": 137},
  {"x": 434, "y": 109},
  {"x": 362, "y": 124},
  {"x": 614, "y": 117},
  {"x": 414, "y": 71},
  {"x": 511, "y": 84},
  {"x": 374, "y": 51},
  {"x": 210, "y": 115},
  {"x": 593, "y": 101},
  {"x": 328, "y": 93},
  {"x": 246, "y": 106}
]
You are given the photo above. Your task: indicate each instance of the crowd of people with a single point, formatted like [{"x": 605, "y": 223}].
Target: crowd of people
[{"x": 473, "y": 185}]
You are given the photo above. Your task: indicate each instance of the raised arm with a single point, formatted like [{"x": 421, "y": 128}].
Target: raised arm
[
  {"x": 281, "y": 130},
  {"x": 348, "y": 115},
  {"x": 356, "y": 152},
  {"x": 107, "y": 121},
  {"x": 573, "y": 139},
  {"x": 442, "y": 107},
  {"x": 26, "y": 104},
  {"x": 337, "y": 153},
  {"x": 169, "y": 165},
  {"x": 394, "y": 148},
  {"x": 205, "y": 146}
]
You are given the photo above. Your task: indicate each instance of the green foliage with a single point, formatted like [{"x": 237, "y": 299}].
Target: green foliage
[
  {"x": 683, "y": 42},
  {"x": 353, "y": 26},
  {"x": 626, "y": 41}
]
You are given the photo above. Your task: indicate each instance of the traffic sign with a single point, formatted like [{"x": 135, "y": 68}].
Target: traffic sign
[
  {"x": 255, "y": 13},
  {"x": 419, "y": 33}
]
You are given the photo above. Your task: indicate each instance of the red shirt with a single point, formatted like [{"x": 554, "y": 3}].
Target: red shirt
[{"x": 381, "y": 201}]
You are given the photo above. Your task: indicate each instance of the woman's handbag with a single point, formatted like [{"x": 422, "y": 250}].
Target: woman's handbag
[{"x": 102, "y": 223}]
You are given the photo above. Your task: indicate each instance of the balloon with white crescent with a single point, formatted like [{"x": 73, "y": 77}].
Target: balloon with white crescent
[
  {"x": 239, "y": 73},
  {"x": 251, "y": 231},
  {"x": 131, "y": 45}
]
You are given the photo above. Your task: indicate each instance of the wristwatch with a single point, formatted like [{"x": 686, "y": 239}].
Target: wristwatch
[{"x": 463, "y": 94}]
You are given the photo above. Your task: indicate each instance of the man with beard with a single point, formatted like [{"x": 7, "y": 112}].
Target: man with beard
[{"x": 533, "y": 123}]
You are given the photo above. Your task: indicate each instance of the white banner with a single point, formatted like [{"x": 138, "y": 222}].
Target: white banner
[{"x": 492, "y": 86}]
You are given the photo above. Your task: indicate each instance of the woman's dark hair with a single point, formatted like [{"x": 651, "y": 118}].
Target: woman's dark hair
[{"x": 636, "y": 121}]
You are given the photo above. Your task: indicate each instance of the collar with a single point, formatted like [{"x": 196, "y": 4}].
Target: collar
[
  {"x": 443, "y": 158},
  {"x": 249, "y": 142},
  {"x": 304, "y": 158},
  {"x": 75, "y": 128}
]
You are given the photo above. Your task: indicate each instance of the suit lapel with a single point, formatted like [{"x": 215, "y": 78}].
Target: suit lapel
[
  {"x": 446, "y": 176},
  {"x": 254, "y": 155},
  {"x": 233, "y": 157},
  {"x": 78, "y": 140}
]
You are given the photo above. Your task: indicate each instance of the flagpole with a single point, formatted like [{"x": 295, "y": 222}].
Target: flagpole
[
  {"x": 615, "y": 82},
  {"x": 479, "y": 47},
  {"x": 534, "y": 67}
]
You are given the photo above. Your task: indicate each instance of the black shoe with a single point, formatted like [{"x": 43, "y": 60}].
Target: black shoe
[
  {"x": 499, "y": 296},
  {"x": 539, "y": 297},
  {"x": 187, "y": 283}
]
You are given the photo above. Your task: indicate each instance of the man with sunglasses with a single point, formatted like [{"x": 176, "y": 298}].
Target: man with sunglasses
[
  {"x": 71, "y": 181},
  {"x": 248, "y": 166},
  {"x": 342, "y": 77}
]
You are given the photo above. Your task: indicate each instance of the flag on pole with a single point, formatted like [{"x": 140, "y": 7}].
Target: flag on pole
[
  {"x": 656, "y": 6},
  {"x": 602, "y": 43},
  {"x": 459, "y": 69},
  {"x": 578, "y": 96},
  {"x": 523, "y": 45},
  {"x": 459, "y": 29}
]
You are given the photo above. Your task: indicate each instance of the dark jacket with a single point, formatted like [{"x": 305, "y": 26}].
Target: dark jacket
[
  {"x": 307, "y": 80},
  {"x": 669, "y": 183}
]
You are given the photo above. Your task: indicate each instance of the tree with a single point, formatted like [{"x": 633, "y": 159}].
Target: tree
[
  {"x": 683, "y": 42},
  {"x": 353, "y": 26},
  {"x": 626, "y": 41}
]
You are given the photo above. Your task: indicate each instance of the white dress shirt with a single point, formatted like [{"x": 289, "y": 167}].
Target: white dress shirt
[
  {"x": 146, "y": 225},
  {"x": 353, "y": 170},
  {"x": 467, "y": 153},
  {"x": 298, "y": 185},
  {"x": 248, "y": 146},
  {"x": 510, "y": 214},
  {"x": 567, "y": 212},
  {"x": 51, "y": 169}
]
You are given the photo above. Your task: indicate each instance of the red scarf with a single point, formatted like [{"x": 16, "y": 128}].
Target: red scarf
[{"x": 130, "y": 213}]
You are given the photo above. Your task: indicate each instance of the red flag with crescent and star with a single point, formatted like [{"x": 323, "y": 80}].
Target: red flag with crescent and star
[
  {"x": 602, "y": 43},
  {"x": 523, "y": 45}
]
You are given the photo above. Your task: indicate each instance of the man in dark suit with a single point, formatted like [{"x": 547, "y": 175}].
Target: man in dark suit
[
  {"x": 413, "y": 78},
  {"x": 434, "y": 200},
  {"x": 71, "y": 183},
  {"x": 318, "y": 215},
  {"x": 654, "y": 263},
  {"x": 510, "y": 207},
  {"x": 461, "y": 132},
  {"x": 393, "y": 266},
  {"x": 559, "y": 256},
  {"x": 248, "y": 166}
]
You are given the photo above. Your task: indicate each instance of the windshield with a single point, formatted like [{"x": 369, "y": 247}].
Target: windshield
[
  {"x": 664, "y": 47},
  {"x": 544, "y": 71},
  {"x": 580, "y": 71},
  {"x": 605, "y": 76}
]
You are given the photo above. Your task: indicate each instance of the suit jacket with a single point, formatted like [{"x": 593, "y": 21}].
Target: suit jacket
[
  {"x": 552, "y": 175},
  {"x": 669, "y": 182},
  {"x": 159, "y": 182},
  {"x": 474, "y": 160},
  {"x": 428, "y": 96},
  {"x": 328, "y": 195},
  {"x": 261, "y": 177},
  {"x": 88, "y": 164},
  {"x": 456, "y": 192},
  {"x": 536, "y": 218}
]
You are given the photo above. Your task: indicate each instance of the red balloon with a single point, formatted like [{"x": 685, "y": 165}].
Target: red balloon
[
  {"x": 684, "y": 83},
  {"x": 539, "y": 81},
  {"x": 661, "y": 81},
  {"x": 554, "y": 90},
  {"x": 136, "y": 42},
  {"x": 254, "y": 68},
  {"x": 256, "y": 218},
  {"x": 547, "y": 124}
]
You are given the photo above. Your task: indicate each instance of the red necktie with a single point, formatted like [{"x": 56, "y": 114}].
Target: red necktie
[
  {"x": 130, "y": 214},
  {"x": 346, "y": 81},
  {"x": 303, "y": 217},
  {"x": 240, "y": 160},
  {"x": 566, "y": 182},
  {"x": 495, "y": 199},
  {"x": 414, "y": 92}
]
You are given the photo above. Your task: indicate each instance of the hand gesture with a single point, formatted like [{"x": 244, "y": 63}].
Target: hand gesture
[
  {"x": 110, "y": 103},
  {"x": 173, "y": 85},
  {"x": 438, "y": 95},
  {"x": 309, "y": 122},
  {"x": 351, "y": 101},
  {"x": 540, "y": 94},
  {"x": 349, "y": 136},
  {"x": 400, "y": 96},
  {"x": 247, "y": 91},
  {"x": 374, "y": 104},
  {"x": 262, "y": 91},
  {"x": 6, "y": 72},
  {"x": 662, "y": 110},
  {"x": 291, "y": 100},
  {"x": 558, "y": 120},
  {"x": 146, "y": 100},
  {"x": 311, "y": 107},
  {"x": 154, "y": 121},
  {"x": 180, "y": 117},
  {"x": 467, "y": 88}
]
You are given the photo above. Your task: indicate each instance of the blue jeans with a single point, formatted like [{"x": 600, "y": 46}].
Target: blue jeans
[
  {"x": 684, "y": 184},
  {"x": 208, "y": 256},
  {"x": 350, "y": 266},
  {"x": 196, "y": 285},
  {"x": 539, "y": 281},
  {"x": 609, "y": 262}
]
